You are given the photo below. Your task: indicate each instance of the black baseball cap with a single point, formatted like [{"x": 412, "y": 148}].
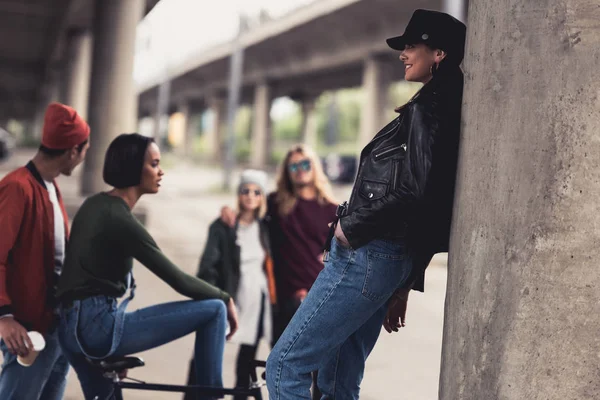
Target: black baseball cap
[{"x": 436, "y": 29}]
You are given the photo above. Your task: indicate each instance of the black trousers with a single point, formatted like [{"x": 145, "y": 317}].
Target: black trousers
[{"x": 247, "y": 354}]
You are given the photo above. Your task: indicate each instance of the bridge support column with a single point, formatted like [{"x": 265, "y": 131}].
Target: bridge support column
[
  {"x": 309, "y": 122},
  {"x": 261, "y": 127},
  {"x": 50, "y": 92},
  {"x": 456, "y": 8},
  {"x": 185, "y": 147},
  {"x": 523, "y": 299},
  {"x": 376, "y": 82},
  {"x": 189, "y": 110},
  {"x": 76, "y": 82},
  {"x": 215, "y": 136},
  {"x": 37, "y": 122},
  {"x": 113, "y": 101},
  {"x": 161, "y": 118}
]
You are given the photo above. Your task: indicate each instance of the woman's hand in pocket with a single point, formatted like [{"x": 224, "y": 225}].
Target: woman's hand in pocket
[{"x": 341, "y": 237}]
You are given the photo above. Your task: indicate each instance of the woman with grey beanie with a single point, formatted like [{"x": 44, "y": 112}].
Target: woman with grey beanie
[{"x": 238, "y": 260}]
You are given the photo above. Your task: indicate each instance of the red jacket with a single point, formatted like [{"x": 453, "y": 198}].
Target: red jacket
[{"x": 27, "y": 248}]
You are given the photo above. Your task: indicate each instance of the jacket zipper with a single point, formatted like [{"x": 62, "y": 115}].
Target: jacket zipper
[
  {"x": 390, "y": 150},
  {"x": 360, "y": 166},
  {"x": 395, "y": 175}
]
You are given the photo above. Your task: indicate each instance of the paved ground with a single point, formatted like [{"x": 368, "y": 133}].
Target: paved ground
[{"x": 403, "y": 366}]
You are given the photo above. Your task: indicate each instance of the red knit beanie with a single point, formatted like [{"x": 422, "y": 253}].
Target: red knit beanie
[{"x": 63, "y": 128}]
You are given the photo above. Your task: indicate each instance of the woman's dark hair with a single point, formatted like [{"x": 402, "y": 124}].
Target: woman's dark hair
[{"x": 124, "y": 160}]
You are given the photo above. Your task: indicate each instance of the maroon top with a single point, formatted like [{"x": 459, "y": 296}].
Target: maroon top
[{"x": 297, "y": 242}]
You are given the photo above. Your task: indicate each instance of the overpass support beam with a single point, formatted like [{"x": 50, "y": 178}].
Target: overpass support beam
[
  {"x": 261, "y": 126},
  {"x": 189, "y": 111},
  {"x": 185, "y": 147},
  {"x": 309, "y": 121},
  {"x": 76, "y": 82},
  {"x": 522, "y": 304},
  {"x": 37, "y": 123},
  {"x": 161, "y": 118},
  {"x": 456, "y": 8},
  {"x": 215, "y": 136},
  {"x": 50, "y": 92},
  {"x": 376, "y": 82},
  {"x": 113, "y": 101}
]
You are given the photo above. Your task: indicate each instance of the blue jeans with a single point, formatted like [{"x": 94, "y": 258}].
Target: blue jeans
[
  {"x": 143, "y": 329},
  {"x": 46, "y": 379},
  {"x": 337, "y": 325}
]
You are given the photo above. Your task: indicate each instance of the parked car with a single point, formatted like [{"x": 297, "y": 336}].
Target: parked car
[
  {"x": 7, "y": 144},
  {"x": 340, "y": 169}
]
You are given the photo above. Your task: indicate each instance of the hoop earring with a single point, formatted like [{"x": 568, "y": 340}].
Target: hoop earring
[{"x": 433, "y": 70}]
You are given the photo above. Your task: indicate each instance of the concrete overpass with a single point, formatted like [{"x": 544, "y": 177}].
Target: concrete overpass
[
  {"x": 328, "y": 44},
  {"x": 63, "y": 50},
  {"x": 38, "y": 39}
]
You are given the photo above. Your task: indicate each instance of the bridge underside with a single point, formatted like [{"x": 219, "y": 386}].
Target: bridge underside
[{"x": 32, "y": 49}]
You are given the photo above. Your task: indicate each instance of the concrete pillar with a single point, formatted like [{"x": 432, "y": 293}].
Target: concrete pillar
[
  {"x": 161, "y": 118},
  {"x": 113, "y": 101},
  {"x": 37, "y": 123},
  {"x": 50, "y": 92},
  {"x": 261, "y": 125},
  {"x": 523, "y": 298},
  {"x": 184, "y": 109},
  {"x": 456, "y": 8},
  {"x": 214, "y": 136},
  {"x": 309, "y": 122},
  {"x": 189, "y": 111},
  {"x": 376, "y": 82},
  {"x": 54, "y": 91},
  {"x": 76, "y": 82}
]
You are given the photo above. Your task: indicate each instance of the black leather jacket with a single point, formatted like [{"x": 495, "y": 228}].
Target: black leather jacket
[
  {"x": 220, "y": 262},
  {"x": 406, "y": 176}
]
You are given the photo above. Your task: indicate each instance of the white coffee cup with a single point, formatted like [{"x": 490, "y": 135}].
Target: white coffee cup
[{"x": 38, "y": 345}]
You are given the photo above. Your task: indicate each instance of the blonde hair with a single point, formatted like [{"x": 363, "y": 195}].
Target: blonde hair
[
  {"x": 285, "y": 195},
  {"x": 260, "y": 211}
]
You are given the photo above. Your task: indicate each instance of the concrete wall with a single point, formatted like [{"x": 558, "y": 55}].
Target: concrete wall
[{"x": 523, "y": 304}]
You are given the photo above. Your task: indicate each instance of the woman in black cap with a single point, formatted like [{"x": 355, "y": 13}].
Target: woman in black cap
[{"x": 397, "y": 217}]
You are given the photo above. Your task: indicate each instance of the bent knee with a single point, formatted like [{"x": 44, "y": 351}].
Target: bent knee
[{"x": 216, "y": 305}]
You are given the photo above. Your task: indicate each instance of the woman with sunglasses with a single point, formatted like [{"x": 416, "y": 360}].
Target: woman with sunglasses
[
  {"x": 397, "y": 217},
  {"x": 298, "y": 214},
  {"x": 237, "y": 260}
]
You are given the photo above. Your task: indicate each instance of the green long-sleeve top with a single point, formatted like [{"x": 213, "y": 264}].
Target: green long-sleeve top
[{"x": 105, "y": 238}]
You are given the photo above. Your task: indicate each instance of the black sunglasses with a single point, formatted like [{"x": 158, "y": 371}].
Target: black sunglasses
[
  {"x": 303, "y": 165},
  {"x": 246, "y": 192}
]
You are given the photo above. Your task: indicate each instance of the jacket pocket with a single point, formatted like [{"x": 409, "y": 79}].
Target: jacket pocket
[{"x": 373, "y": 190}]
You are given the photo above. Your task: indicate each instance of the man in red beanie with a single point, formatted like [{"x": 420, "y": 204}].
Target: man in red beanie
[{"x": 34, "y": 232}]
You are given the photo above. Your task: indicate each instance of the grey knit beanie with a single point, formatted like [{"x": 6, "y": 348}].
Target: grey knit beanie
[{"x": 254, "y": 176}]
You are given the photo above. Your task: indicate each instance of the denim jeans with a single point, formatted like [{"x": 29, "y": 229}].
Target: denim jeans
[
  {"x": 337, "y": 325},
  {"x": 45, "y": 379},
  {"x": 89, "y": 324}
]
